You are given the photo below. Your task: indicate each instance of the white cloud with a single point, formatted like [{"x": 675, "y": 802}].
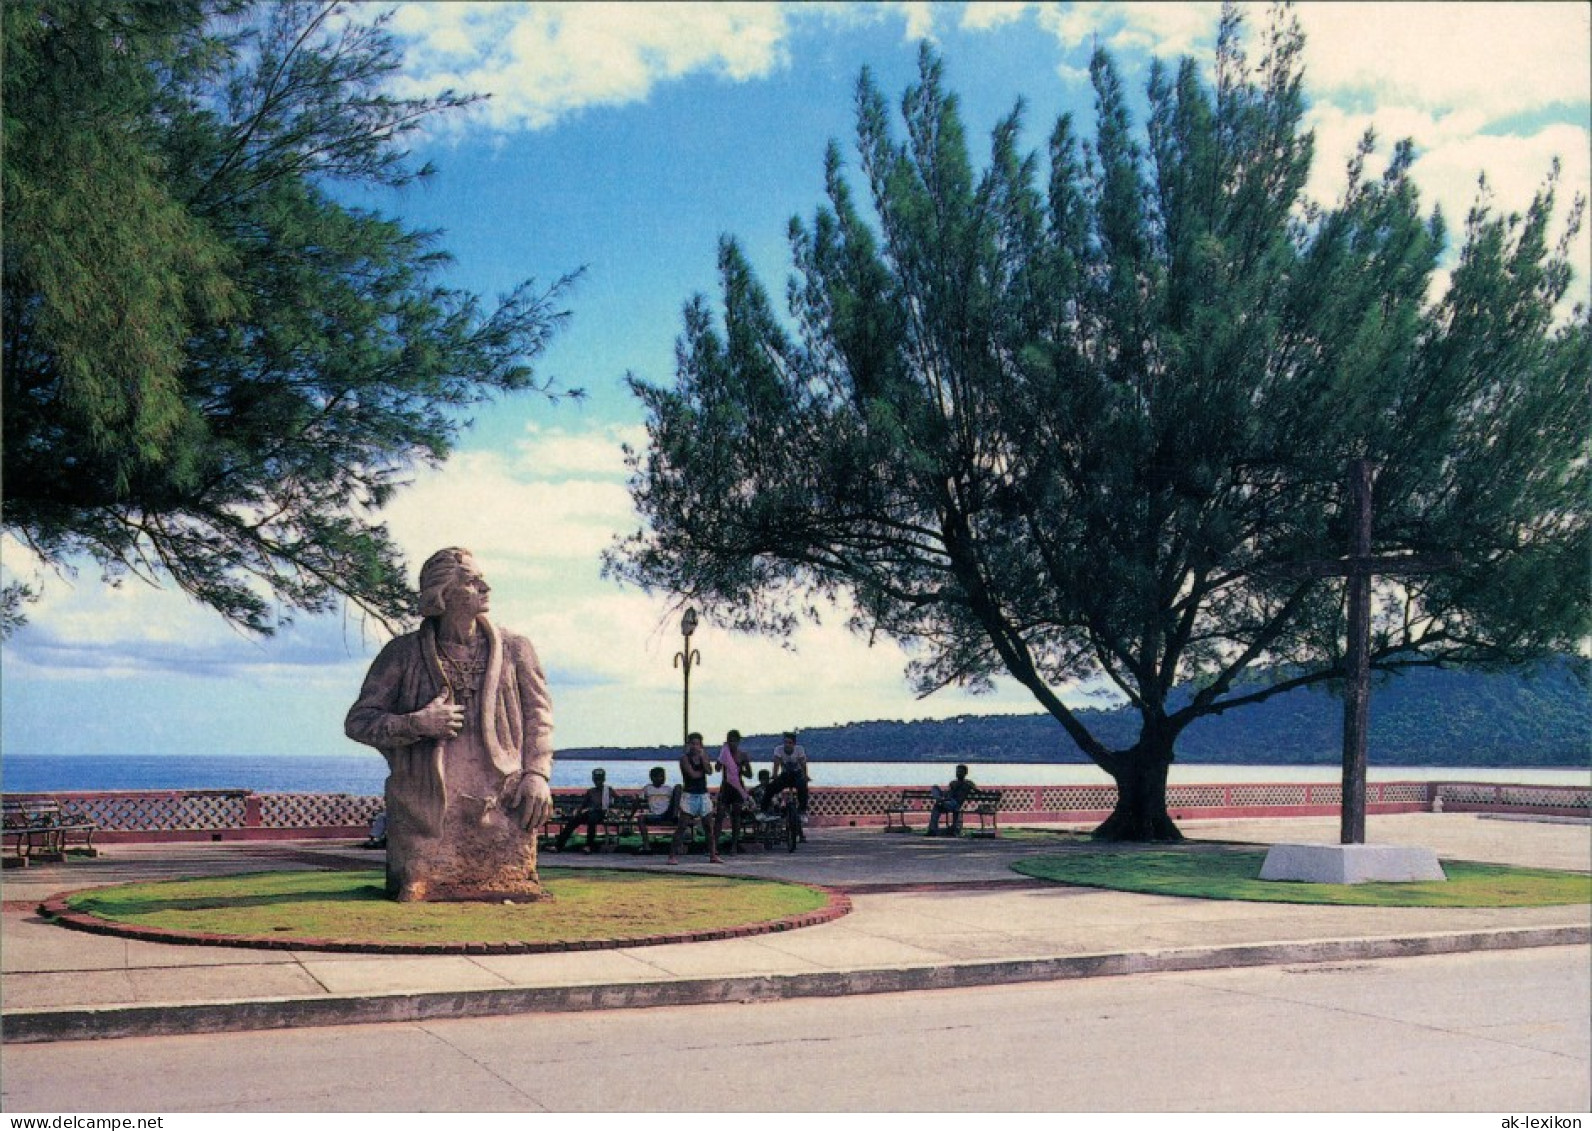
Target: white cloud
[
  {"x": 1457, "y": 79},
  {"x": 559, "y": 452},
  {"x": 1168, "y": 30},
  {"x": 540, "y": 62},
  {"x": 1496, "y": 59},
  {"x": 557, "y": 497},
  {"x": 919, "y": 17},
  {"x": 994, "y": 13},
  {"x": 479, "y": 501}
]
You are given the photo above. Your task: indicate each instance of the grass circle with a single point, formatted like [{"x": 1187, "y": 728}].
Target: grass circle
[
  {"x": 338, "y": 910},
  {"x": 1220, "y": 872}
]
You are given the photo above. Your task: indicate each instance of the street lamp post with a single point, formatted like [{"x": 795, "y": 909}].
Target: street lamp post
[{"x": 684, "y": 659}]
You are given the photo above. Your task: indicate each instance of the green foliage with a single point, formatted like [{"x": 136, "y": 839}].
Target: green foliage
[
  {"x": 1081, "y": 424},
  {"x": 214, "y": 370},
  {"x": 1220, "y": 873}
]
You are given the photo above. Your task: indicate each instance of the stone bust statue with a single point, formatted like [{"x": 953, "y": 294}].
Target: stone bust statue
[{"x": 460, "y": 710}]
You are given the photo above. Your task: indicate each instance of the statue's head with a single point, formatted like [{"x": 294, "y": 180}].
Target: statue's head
[{"x": 443, "y": 570}]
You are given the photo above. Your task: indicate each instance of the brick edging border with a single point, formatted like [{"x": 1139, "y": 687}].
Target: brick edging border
[{"x": 54, "y": 908}]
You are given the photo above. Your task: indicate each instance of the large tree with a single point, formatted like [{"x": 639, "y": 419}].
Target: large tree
[
  {"x": 216, "y": 368},
  {"x": 1077, "y": 423}
]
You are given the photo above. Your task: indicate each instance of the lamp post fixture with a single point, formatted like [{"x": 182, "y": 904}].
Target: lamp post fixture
[{"x": 683, "y": 659}]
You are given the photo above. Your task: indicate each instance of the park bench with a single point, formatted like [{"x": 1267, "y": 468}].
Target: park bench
[
  {"x": 981, "y": 803},
  {"x": 41, "y": 830},
  {"x": 625, "y": 816},
  {"x": 619, "y": 819},
  {"x": 627, "y": 811}
]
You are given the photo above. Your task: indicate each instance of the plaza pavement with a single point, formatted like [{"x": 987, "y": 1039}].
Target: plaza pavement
[{"x": 926, "y": 914}]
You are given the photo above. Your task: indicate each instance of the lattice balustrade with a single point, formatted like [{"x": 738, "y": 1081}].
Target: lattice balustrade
[
  {"x": 1545, "y": 798},
  {"x": 845, "y": 804},
  {"x": 1266, "y": 795},
  {"x": 1076, "y": 798},
  {"x": 1508, "y": 797},
  {"x": 1466, "y": 794},
  {"x": 154, "y": 812},
  {"x": 316, "y": 810},
  {"x": 1195, "y": 796},
  {"x": 1019, "y": 798},
  {"x": 238, "y": 810}
]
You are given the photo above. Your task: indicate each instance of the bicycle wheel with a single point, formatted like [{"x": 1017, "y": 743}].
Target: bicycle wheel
[{"x": 793, "y": 827}]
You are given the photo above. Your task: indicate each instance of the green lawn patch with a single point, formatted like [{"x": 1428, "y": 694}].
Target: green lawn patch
[
  {"x": 587, "y": 905},
  {"x": 1218, "y": 872}
]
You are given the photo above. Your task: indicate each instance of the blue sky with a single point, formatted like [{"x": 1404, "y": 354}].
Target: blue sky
[{"x": 625, "y": 140}]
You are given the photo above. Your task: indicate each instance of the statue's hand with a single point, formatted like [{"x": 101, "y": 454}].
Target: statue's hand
[
  {"x": 530, "y": 801},
  {"x": 439, "y": 718}
]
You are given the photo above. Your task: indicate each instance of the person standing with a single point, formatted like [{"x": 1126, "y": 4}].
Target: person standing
[
  {"x": 734, "y": 801},
  {"x": 695, "y": 804}
]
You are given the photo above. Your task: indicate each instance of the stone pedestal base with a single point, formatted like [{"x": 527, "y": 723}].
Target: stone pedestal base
[
  {"x": 480, "y": 856},
  {"x": 1351, "y": 864},
  {"x": 422, "y": 892}
]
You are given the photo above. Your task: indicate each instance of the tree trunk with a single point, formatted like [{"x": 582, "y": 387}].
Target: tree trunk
[{"x": 1140, "y": 814}]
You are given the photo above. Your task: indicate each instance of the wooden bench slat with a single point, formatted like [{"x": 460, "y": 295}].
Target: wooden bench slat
[{"x": 981, "y": 803}]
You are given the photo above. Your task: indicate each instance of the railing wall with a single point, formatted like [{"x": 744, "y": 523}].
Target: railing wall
[
  {"x": 237, "y": 814},
  {"x": 1474, "y": 797}
]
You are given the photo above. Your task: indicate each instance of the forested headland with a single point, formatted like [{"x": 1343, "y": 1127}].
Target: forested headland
[{"x": 1421, "y": 718}]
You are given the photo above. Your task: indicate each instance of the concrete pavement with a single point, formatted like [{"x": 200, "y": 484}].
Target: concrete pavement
[
  {"x": 926, "y": 914},
  {"x": 1500, "y": 1031}
]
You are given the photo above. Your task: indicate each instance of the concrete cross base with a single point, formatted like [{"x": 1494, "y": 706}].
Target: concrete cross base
[{"x": 1351, "y": 864}]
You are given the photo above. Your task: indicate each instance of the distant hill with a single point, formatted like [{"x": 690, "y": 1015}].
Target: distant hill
[{"x": 1421, "y": 718}]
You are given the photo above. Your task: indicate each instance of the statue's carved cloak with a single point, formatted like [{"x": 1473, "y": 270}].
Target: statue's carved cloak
[{"x": 515, "y": 719}]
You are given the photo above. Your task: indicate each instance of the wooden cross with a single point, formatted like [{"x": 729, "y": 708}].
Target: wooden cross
[{"x": 1359, "y": 568}]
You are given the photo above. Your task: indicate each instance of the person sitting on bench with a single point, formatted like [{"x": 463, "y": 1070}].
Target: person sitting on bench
[
  {"x": 594, "y": 806},
  {"x": 660, "y": 801},
  {"x": 760, "y": 790},
  {"x": 950, "y": 800}
]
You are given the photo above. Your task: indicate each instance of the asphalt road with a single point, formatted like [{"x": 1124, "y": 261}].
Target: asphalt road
[{"x": 1481, "y": 1032}]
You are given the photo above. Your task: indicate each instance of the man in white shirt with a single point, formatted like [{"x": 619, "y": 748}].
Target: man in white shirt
[
  {"x": 790, "y": 770},
  {"x": 658, "y": 805}
]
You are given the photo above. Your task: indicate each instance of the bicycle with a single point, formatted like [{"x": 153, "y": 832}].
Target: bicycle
[{"x": 782, "y": 822}]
